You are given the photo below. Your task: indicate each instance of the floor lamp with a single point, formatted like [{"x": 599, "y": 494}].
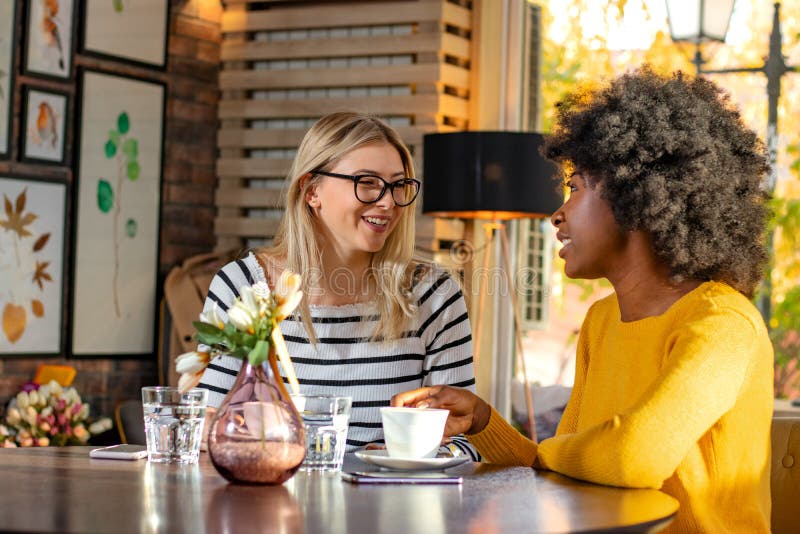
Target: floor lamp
[{"x": 494, "y": 177}]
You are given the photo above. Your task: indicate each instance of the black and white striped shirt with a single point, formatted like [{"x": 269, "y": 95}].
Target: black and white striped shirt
[{"x": 436, "y": 350}]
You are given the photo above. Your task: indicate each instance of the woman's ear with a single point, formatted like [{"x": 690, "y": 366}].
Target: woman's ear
[{"x": 311, "y": 197}]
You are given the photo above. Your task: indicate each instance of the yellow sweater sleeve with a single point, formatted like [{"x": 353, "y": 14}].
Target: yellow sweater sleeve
[
  {"x": 643, "y": 446},
  {"x": 501, "y": 443}
]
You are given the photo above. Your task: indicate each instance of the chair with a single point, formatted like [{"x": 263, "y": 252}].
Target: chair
[
  {"x": 185, "y": 291},
  {"x": 129, "y": 416},
  {"x": 785, "y": 475}
]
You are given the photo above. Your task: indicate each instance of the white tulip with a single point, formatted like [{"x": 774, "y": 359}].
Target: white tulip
[
  {"x": 191, "y": 362},
  {"x": 261, "y": 290},
  {"x": 33, "y": 398},
  {"x": 55, "y": 388},
  {"x": 212, "y": 317},
  {"x": 241, "y": 318},
  {"x": 248, "y": 300},
  {"x": 100, "y": 426},
  {"x": 13, "y": 416},
  {"x": 31, "y": 415},
  {"x": 288, "y": 283},
  {"x": 22, "y": 400},
  {"x": 191, "y": 366},
  {"x": 288, "y": 306},
  {"x": 71, "y": 396},
  {"x": 188, "y": 381}
]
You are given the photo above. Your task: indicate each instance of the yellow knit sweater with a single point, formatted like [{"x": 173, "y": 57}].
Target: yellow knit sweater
[{"x": 681, "y": 402}]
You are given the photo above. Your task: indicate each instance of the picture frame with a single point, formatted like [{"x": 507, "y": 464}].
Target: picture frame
[
  {"x": 50, "y": 27},
  {"x": 117, "y": 207},
  {"x": 43, "y": 131},
  {"x": 130, "y": 31},
  {"x": 8, "y": 25},
  {"x": 32, "y": 265}
]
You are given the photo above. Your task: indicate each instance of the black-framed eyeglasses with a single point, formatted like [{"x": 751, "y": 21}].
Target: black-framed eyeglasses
[{"x": 370, "y": 188}]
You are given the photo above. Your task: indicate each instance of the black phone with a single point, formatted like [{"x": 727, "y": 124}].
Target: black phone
[{"x": 388, "y": 477}]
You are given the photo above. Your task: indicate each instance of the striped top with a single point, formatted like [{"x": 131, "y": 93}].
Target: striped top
[{"x": 436, "y": 350}]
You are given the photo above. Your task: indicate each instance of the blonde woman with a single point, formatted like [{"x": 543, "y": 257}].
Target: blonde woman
[{"x": 373, "y": 321}]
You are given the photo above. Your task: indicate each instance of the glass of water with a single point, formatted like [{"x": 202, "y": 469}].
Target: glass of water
[
  {"x": 173, "y": 423},
  {"x": 325, "y": 418}
]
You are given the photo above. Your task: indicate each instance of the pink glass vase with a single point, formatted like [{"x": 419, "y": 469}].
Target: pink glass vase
[{"x": 257, "y": 435}]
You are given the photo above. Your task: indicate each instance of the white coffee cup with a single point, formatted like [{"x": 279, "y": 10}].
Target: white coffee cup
[{"x": 413, "y": 432}]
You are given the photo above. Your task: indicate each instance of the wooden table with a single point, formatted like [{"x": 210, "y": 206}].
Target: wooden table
[{"x": 63, "y": 490}]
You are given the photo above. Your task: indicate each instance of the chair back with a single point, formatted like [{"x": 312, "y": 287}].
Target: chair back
[
  {"x": 185, "y": 291},
  {"x": 129, "y": 415},
  {"x": 785, "y": 476}
]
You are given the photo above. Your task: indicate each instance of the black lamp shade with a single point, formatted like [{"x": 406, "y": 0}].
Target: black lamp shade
[{"x": 488, "y": 175}]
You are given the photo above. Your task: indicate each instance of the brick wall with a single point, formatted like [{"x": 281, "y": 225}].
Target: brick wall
[{"x": 188, "y": 183}]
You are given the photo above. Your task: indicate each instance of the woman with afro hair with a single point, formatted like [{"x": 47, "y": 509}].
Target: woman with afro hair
[{"x": 673, "y": 379}]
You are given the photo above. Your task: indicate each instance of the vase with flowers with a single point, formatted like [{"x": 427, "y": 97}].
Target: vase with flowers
[
  {"x": 49, "y": 415},
  {"x": 257, "y": 435}
]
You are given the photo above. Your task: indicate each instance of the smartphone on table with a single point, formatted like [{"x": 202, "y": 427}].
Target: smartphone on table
[
  {"x": 388, "y": 477},
  {"x": 120, "y": 452}
]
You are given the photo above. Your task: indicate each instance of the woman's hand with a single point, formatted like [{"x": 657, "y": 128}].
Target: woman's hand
[{"x": 469, "y": 414}]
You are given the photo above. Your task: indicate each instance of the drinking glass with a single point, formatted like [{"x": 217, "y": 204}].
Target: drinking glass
[
  {"x": 325, "y": 418},
  {"x": 173, "y": 423}
]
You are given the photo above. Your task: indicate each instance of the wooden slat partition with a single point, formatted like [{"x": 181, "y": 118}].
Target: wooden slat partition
[
  {"x": 428, "y": 104},
  {"x": 249, "y": 197},
  {"x": 285, "y": 65},
  {"x": 252, "y": 138},
  {"x": 434, "y": 42},
  {"x": 388, "y": 75},
  {"x": 338, "y": 14}
]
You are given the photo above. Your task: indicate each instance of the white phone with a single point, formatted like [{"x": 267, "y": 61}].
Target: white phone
[{"x": 120, "y": 452}]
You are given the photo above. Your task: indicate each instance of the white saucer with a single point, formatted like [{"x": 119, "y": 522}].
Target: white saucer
[{"x": 382, "y": 458}]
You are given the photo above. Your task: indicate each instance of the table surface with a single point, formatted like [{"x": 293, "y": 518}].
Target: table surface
[{"x": 62, "y": 490}]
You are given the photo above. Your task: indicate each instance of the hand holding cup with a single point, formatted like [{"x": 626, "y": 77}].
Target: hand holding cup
[{"x": 469, "y": 414}]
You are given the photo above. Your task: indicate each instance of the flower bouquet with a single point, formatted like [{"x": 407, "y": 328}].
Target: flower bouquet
[
  {"x": 49, "y": 415},
  {"x": 251, "y": 331},
  {"x": 256, "y": 436}
]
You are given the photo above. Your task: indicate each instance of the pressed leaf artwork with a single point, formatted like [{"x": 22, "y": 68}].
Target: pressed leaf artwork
[
  {"x": 41, "y": 242},
  {"x": 37, "y": 308},
  {"x": 105, "y": 196},
  {"x": 13, "y": 321},
  {"x": 118, "y": 179},
  {"x": 16, "y": 220},
  {"x": 125, "y": 150},
  {"x": 41, "y": 275},
  {"x": 26, "y": 268}
]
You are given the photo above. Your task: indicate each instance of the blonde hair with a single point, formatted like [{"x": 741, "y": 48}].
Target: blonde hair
[{"x": 328, "y": 140}]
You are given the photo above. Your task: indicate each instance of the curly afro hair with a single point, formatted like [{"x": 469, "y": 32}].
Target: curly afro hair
[{"x": 676, "y": 161}]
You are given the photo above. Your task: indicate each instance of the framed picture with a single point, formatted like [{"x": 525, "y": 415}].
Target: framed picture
[
  {"x": 133, "y": 31},
  {"x": 118, "y": 205},
  {"x": 7, "y": 40},
  {"x": 44, "y": 117},
  {"x": 31, "y": 265},
  {"x": 48, "y": 44}
]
